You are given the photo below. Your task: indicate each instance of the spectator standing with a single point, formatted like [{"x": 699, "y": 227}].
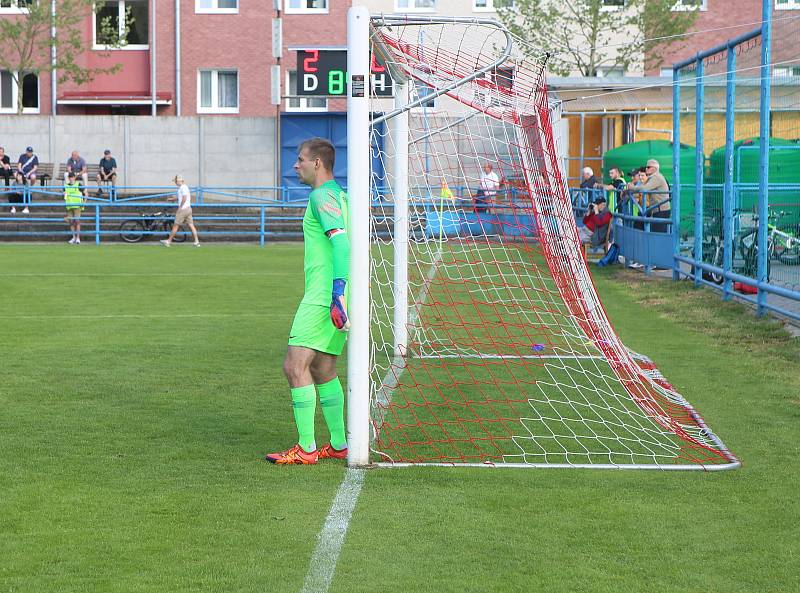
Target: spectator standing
[
  {"x": 73, "y": 199},
  {"x": 183, "y": 216},
  {"x": 490, "y": 183},
  {"x": 658, "y": 198},
  {"x": 27, "y": 165},
  {"x": 77, "y": 164},
  {"x": 108, "y": 172},
  {"x": 589, "y": 185},
  {"x": 615, "y": 188}
]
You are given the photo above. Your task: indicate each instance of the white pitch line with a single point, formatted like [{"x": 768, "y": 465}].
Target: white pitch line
[
  {"x": 132, "y": 274},
  {"x": 331, "y": 538},
  {"x": 147, "y": 316}
]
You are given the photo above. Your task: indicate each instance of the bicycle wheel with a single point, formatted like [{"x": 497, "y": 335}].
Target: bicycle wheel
[
  {"x": 131, "y": 231},
  {"x": 717, "y": 261},
  {"x": 179, "y": 237},
  {"x": 788, "y": 255}
]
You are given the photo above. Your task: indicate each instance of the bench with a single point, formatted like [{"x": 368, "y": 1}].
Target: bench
[{"x": 46, "y": 173}]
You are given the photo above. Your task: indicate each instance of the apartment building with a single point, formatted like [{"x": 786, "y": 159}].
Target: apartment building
[{"x": 205, "y": 57}]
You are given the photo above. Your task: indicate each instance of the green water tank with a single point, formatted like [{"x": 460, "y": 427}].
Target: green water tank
[
  {"x": 636, "y": 154},
  {"x": 784, "y": 168}
]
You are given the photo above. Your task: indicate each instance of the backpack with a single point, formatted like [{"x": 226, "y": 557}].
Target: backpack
[{"x": 611, "y": 257}]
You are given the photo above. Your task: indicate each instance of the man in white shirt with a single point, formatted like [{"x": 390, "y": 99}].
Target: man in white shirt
[
  {"x": 184, "y": 214},
  {"x": 490, "y": 183}
]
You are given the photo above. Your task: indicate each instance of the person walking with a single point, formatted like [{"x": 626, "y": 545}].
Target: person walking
[{"x": 183, "y": 216}]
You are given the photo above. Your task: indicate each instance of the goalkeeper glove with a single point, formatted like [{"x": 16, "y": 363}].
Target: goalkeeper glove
[{"x": 338, "y": 309}]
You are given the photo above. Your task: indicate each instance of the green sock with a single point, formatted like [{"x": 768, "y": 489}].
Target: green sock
[
  {"x": 331, "y": 396},
  {"x": 304, "y": 403}
]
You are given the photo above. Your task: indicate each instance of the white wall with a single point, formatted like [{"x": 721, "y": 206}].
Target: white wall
[{"x": 210, "y": 151}]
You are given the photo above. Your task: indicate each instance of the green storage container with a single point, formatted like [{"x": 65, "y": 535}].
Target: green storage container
[
  {"x": 784, "y": 168},
  {"x": 636, "y": 154}
]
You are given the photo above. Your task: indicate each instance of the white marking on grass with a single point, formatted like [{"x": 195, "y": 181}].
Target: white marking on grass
[
  {"x": 331, "y": 538},
  {"x": 135, "y": 274},
  {"x": 149, "y": 316}
]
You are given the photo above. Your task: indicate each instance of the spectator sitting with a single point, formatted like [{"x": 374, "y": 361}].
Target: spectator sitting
[
  {"x": 27, "y": 165},
  {"x": 77, "y": 164},
  {"x": 597, "y": 224},
  {"x": 5, "y": 166},
  {"x": 108, "y": 172}
]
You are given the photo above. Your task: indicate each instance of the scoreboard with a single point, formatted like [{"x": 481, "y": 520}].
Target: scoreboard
[{"x": 323, "y": 73}]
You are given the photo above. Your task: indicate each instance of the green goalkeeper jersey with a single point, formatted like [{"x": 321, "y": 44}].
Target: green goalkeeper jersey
[{"x": 327, "y": 210}]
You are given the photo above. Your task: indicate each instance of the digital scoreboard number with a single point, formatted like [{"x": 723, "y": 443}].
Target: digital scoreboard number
[{"x": 323, "y": 73}]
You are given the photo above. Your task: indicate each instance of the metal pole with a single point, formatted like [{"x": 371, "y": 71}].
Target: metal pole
[
  {"x": 727, "y": 196},
  {"x": 698, "y": 172},
  {"x": 178, "y": 57},
  {"x": 358, "y": 186},
  {"x": 153, "y": 26},
  {"x": 676, "y": 171},
  {"x": 400, "y": 149},
  {"x": 53, "y": 59},
  {"x": 763, "y": 184}
]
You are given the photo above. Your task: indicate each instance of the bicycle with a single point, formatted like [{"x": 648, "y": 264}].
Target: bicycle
[
  {"x": 781, "y": 245},
  {"x": 134, "y": 230}
]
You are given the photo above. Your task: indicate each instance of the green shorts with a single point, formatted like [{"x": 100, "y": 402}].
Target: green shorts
[{"x": 312, "y": 328}]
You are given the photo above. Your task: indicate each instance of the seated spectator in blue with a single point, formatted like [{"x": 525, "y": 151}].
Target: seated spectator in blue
[
  {"x": 27, "y": 165},
  {"x": 597, "y": 224},
  {"x": 108, "y": 172},
  {"x": 77, "y": 164}
]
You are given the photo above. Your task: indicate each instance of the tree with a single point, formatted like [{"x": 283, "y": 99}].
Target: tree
[
  {"x": 587, "y": 35},
  {"x": 26, "y": 41}
]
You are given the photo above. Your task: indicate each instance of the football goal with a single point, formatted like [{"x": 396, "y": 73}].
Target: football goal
[{"x": 477, "y": 335}]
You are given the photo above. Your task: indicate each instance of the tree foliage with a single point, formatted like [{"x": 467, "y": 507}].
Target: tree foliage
[
  {"x": 26, "y": 41},
  {"x": 587, "y": 35}
]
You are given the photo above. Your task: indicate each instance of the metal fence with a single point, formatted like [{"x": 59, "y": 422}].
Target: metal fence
[{"x": 738, "y": 104}]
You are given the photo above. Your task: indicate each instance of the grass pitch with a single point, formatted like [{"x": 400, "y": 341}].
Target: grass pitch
[{"x": 141, "y": 386}]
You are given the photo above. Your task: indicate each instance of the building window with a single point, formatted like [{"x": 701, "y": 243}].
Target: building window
[
  {"x": 691, "y": 5},
  {"x": 302, "y": 103},
  {"x": 787, "y": 4},
  {"x": 14, "y": 6},
  {"x": 217, "y": 91},
  {"x": 610, "y": 72},
  {"x": 781, "y": 71},
  {"x": 490, "y": 5},
  {"x": 8, "y": 93},
  {"x": 613, "y": 5},
  {"x": 414, "y": 5},
  {"x": 306, "y": 6},
  {"x": 122, "y": 21},
  {"x": 420, "y": 90},
  {"x": 216, "y": 6}
]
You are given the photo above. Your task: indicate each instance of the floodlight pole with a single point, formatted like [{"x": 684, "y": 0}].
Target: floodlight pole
[{"x": 358, "y": 189}]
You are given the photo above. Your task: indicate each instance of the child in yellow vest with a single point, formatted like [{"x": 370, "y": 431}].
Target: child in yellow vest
[{"x": 73, "y": 199}]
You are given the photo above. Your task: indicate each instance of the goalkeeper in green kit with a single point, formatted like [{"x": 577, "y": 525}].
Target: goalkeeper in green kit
[{"x": 318, "y": 333}]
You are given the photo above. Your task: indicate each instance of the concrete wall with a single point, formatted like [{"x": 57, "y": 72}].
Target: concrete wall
[{"x": 210, "y": 151}]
